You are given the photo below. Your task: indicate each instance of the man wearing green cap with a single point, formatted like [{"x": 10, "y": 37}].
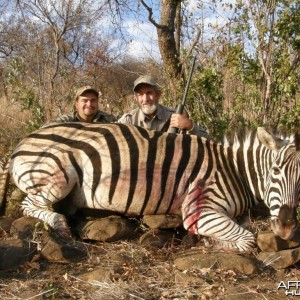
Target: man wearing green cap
[
  {"x": 87, "y": 108},
  {"x": 152, "y": 115}
]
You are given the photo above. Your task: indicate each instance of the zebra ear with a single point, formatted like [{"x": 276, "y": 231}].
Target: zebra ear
[{"x": 270, "y": 141}]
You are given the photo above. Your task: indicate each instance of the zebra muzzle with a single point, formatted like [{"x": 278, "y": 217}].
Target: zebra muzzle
[{"x": 286, "y": 223}]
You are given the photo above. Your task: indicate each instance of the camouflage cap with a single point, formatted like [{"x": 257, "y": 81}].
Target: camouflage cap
[
  {"x": 85, "y": 89},
  {"x": 144, "y": 79}
]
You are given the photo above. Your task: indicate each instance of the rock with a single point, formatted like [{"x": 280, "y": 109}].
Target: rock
[
  {"x": 99, "y": 274},
  {"x": 158, "y": 238},
  {"x": 24, "y": 227},
  {"x": 229, "y": 261},
  {"x": 281, "y": 259},
  {"x": 5, "y": 223},
  {"x": 162, "y": 221},
  {"x": 110, "y": 229},
  {"x": 14, "y": 253},
  {"x": 269, "y": 242},
  {"x": 57, "y": 250}
]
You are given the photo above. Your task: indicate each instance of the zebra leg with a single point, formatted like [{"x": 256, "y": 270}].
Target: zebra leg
[
  {"x": 200, "y": 217},
  {"x": 36, "y": 206}
]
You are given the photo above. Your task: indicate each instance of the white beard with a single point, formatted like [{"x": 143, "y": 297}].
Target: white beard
[{"x": 149, "y": 110}]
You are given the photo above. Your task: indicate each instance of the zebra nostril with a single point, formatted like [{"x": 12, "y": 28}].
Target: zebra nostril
[{"x": 274, "y": 207}]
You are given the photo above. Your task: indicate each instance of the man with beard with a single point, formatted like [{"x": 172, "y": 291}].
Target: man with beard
[
  {"x": 87, "y": 108},
  {"x": 152, "y": 115}
]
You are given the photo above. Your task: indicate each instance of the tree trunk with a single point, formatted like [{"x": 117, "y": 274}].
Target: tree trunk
[{"x": 168, "y": 45}]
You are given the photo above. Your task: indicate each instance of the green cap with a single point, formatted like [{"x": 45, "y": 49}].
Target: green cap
[{"x": 144, "y": 79}]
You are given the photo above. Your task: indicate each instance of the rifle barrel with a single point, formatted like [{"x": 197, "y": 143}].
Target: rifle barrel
[
  {"x": 180, "y": 107},
  {"x": 188, "y": 82}
]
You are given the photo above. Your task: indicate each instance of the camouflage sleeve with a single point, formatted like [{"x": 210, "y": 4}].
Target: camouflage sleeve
[
  {"x": 60, "y": 119},
  {"x": 110, "y": 118},
  {"x": 64, "y": 118}
]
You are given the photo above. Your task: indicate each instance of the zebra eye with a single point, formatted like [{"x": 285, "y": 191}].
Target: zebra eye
[{"x": 276, "y": 171}]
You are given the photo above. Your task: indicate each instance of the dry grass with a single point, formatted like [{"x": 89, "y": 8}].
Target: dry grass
[
  {"x": 149, "y": 275},
  {"x": 13, "y": 125},
  {"x": 145, "y": 273}
]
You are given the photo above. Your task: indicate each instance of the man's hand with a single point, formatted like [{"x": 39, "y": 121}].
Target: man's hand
[{"x": 181, "y": 122}]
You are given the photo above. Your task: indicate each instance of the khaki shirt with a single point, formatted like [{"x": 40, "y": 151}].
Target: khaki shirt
[
  {"x": 100, "y": 117},
  {"x": 138, "y": 118}
]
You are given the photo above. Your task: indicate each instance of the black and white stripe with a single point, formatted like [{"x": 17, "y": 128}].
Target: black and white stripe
[
  {"x": 133, "y": 171},
  {"x": 282, "y": 192}
]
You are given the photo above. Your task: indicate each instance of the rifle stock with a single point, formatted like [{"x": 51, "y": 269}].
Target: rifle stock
[{"x": 180, "y": 106}]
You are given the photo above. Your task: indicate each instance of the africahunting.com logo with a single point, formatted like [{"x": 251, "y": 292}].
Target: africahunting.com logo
[{"x": 291, "y": 287}]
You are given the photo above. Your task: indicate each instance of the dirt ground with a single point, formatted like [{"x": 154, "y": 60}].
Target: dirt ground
[{"x": 128, "y": 270}]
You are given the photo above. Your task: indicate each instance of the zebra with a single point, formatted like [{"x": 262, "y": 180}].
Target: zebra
[
  {"x": 282, "y": 186},
  {"x": 133, "y": 171}
]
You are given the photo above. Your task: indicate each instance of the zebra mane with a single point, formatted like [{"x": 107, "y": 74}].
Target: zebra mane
[
  {"x": 241, "y": 136},
  {"x": 292, "y": 136},
  {"x": 238, "y": 137}
]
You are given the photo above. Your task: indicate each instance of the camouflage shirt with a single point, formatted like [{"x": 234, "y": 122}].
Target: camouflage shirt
[
  {"x": 158, "y": 123},
  {"x": 100, "y": 117}
]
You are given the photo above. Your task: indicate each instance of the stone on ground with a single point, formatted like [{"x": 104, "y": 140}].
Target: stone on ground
[
  {"x": 229, "y": 261},
  {"x": 162, "y": 221},
  {"x": 57, "y": 250},
  {"x": 109, "y": 229},
  {"x": 269, "y": 242},
  {"x": 279, "y": 259},
  {"x": 16, "y": 252}
]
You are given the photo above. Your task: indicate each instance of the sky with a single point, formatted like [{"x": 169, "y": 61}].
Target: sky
[
  {"x": 143, "y": 40},
  {"x": 143, "y": 37}
]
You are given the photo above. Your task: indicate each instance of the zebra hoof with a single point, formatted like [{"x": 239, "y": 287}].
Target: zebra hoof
[{"x": 64, "y": 233}]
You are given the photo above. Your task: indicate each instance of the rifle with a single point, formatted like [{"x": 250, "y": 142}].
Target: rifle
[{"x": 181, "y": 105}]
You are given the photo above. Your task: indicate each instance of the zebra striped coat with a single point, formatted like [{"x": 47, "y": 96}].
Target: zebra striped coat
[{"x": 136, "y": 172}]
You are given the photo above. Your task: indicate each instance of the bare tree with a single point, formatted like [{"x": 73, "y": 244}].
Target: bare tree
[
  {"x": 169, "y": 41},
  {"x": 61, "y": 19}
]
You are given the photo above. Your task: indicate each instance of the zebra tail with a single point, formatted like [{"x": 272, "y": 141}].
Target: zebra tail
[{"x": 4, "y": 183}]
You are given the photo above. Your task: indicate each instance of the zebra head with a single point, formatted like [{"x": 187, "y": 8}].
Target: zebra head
[{"x": 282, "y": 189}]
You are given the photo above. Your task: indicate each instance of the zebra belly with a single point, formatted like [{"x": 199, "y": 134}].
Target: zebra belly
[
  {"x": 134, "y": 198},
  {"x": 157, "y": 194}
]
